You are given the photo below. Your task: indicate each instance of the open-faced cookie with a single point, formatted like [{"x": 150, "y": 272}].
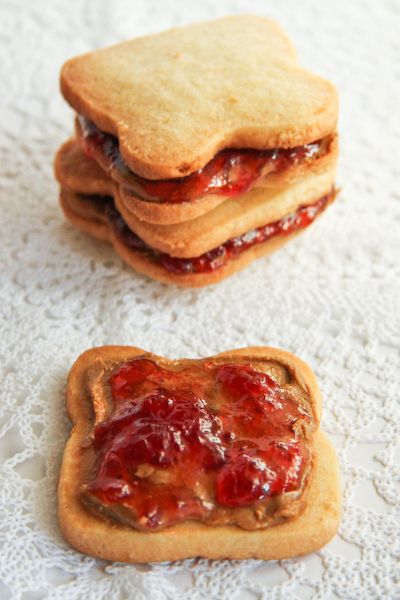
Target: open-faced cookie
[{"x": 220, "y": 457}]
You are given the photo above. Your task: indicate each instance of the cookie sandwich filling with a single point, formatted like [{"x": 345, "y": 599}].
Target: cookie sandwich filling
[
  {"x": 218, "y": 257},
  {"x": 230, "y": 173},
  {"x": 212, "y": 442}
]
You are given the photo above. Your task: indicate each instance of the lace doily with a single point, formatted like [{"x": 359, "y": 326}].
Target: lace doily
[{"x": 331, "y": 296}]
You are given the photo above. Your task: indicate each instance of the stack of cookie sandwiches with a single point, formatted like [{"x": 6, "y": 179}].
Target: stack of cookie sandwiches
[{"x": 199, "y": 149}]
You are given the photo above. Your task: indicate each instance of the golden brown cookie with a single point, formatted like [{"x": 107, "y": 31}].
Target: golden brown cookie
[
  {"x": 300, "y": 518},
  {"x": 71, "y": 160},
  {"x": 176, "y": 98},
  {"x": 191, "y": 238},
  {"x": 87, "y": 214},
  {"x": 232, "y": 218}
]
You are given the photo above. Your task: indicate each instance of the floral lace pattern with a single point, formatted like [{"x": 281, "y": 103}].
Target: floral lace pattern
[{"x": 331, "y": 296}]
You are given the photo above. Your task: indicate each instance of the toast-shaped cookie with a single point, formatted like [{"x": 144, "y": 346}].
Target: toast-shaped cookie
[
  {"x": 230, "y": 219},
  {"x": 192, "y": 238},
  {"x": 176, "y": 98},
  {"x": 118, "y": 493},
  {"x": 76, "y": 171},
  {"x": 90, "y": 215}
]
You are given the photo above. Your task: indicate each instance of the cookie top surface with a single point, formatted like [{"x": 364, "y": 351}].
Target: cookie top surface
[{"x": 176, "y": 98}]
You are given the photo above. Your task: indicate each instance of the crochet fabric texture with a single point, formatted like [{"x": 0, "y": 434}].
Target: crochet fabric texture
[{"x": 331, "y": 297}]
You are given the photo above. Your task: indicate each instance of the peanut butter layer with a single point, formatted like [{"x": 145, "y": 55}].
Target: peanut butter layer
[{"x": 222, "y": 443}]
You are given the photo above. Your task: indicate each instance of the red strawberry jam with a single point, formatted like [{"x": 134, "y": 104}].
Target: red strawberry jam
[
  {"x": 218, "y": 257},
  {"x": 250, "y": 475},
  {"x": 230, "y": 173},
  {"x": 195, "y": 443},
  {"x": 261, "y": 406}
]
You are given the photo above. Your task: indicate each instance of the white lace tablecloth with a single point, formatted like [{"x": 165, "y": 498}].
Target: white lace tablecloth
[{"x": 332, "y": 297}]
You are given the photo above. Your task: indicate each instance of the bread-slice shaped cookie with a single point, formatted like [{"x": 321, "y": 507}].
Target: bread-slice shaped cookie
[
  {"x": 78, "y": 173},
  {"x": 122, "y": 496},
  {"x": 73, "y": 169},
  {"x": 176, "y": 98},
  {"x": 96, "y": 216},
  {"x": 232, "y": 173},
  {"x": 231, "y": 219},
  {"x": 189, "y": 239}
]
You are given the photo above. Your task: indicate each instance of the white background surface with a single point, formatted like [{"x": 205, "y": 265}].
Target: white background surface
[{"x": 332, "y": 297}]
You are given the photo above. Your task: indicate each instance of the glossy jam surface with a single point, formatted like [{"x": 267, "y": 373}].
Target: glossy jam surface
[
  {"x": 219, "y": 256},
  {"x": 231, "y": 172},
  {"x": 185, "y": 444}
]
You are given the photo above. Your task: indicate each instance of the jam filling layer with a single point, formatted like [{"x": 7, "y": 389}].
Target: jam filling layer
[
  {"x": 230, "y": 173},
  {"x": 218, "y": 257},
  {"x": 220, "y": 443}
]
